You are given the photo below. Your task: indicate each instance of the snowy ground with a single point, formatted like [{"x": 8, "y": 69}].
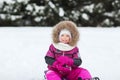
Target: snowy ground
[{"x": 22, "y": 52}]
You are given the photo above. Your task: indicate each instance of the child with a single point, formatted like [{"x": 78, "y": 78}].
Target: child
[{"x": 63, "y": 56}]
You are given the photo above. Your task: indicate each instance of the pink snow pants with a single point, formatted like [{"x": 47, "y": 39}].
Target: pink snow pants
[{"x": 73, "y": 75}]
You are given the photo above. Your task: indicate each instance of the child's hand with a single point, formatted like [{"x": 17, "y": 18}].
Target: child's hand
[
  {"x": 65, "y": 60},
  {"x": 62, "y": 69}
]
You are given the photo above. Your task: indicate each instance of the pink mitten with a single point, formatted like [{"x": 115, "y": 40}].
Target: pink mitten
[
  {"x": 64, "y": 70},
  {"x": 65, "y": 60},
  {"x": 61, "y": 68},
  {"x": 55, "y": 64}
]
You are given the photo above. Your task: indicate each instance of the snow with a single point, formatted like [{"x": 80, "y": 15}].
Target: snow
[
  {"x": 10, "y": 1},
  {"x": 22, "y": 52},
  {"x": 85, "y": 16}
]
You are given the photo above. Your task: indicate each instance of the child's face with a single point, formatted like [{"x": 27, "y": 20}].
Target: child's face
[{"x": 65, "y": 38}]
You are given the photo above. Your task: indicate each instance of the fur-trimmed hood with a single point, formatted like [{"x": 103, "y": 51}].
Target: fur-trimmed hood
[{"x": 69, "y": 25}]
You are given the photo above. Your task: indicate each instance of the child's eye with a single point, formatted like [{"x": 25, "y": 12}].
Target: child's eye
[{"x": 67, "y": 35}]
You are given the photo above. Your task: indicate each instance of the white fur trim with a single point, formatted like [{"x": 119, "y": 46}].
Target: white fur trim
[{"x": 63, "y": 47}]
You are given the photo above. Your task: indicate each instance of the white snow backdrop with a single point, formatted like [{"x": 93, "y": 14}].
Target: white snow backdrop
[{"x": 22, "y": 52}]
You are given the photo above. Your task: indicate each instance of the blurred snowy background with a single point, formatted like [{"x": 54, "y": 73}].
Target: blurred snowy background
[
  {"x": 92, "y": 13},
  {"x": 22, "y": 52}
]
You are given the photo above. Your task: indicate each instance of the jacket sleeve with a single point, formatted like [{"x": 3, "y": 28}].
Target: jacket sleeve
[
  {"x": 49, "y": 57},
  {"x": 77, "y": 61},
  {"x": 49, "y": 60},
  {"x": 76, "y": 58}
]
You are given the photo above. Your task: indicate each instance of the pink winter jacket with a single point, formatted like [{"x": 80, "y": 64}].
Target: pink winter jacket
[{"x": 54, "y": 53}]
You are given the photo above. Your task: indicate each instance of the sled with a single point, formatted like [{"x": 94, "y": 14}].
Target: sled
[{"x": 94, "y": 78}]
